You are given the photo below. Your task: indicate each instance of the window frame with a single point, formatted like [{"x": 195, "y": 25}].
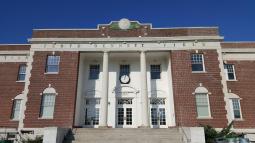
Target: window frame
[
  {"x": 121, "y": 73},
  {"x": 232, "y": 109},
  {"x": 209, "y": 106},
  {"x": 226, "y": 72},
  {"x": 19, "y": 73},
  {"x": 14, "y": 105},
  {"x": 203, "y": 63},
  {"x": 160, "y": 70},
  {"x": 47, "y": 65},
  {"x": 98, "y": 73},
  {"x": 42, "y": 106}
]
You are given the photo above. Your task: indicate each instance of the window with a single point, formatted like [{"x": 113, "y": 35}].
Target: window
[
  {"x": 236, "y": 108},
  {"x": 197, "y": 61},
  {"x": 94, "y": 71},
  {"x": 230, "y": 71},
  {"x": 124, "y": 70},
  {"x": 155, "y": 71},
  {"x": 52, "y": 64},
  {"x": 47, "y": 105},
  {"x": 22, "y": 73},
  {"x": 202, "y": 103},
  {"x": 16, "y": 109}
]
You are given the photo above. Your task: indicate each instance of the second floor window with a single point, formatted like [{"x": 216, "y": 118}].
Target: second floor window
[
  {"x": 94, "y": 71},
  {"x": 230, "y": 71},
  {"x": 124, "y": 70},
  {"x": 52, "y": 64},
  {"x": 155, "y": 71},
  {"x": 197, "y": 62},
  {"x": 22, "y": 73}
]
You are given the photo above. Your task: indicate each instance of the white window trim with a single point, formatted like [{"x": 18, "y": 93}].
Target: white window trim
[
  {"x": 160, "y": 65},
  {"x": 98, "y": 73},
  {"x": 19, "y": 114},
  {"x": 226, "y": 73},
  {"x": 232, "y": 110},
  {"x": 46, "y": 71},
  {"x": 204, "y": 71},
  {"x": 209, "y": 108}
]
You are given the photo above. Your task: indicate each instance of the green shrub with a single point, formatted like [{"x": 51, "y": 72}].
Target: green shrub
[
  {"x": 36, "y": 140},
  {"x": 211, "y": 134}
]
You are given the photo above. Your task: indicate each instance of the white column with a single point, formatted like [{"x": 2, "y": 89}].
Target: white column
[
  {"x": 104, "y": 95},
  {"x": 144, "y": 91}
]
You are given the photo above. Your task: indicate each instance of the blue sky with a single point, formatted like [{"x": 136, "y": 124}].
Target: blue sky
[{"x": 236, "y": 18}]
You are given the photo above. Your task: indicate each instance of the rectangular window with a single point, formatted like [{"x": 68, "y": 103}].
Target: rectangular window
[
  {"x": 236, "y": 108},
  {"x": 155, "y": 71},
  {"x": 16, "y": 109},
  {"x": 202, "y": 103},
  {"x": 52, "y": 64},
  {"x": 47, "y": 105},
  {"x": 197, "y": 62},
  {"x": 22, "y": 73},
  {"x": 124, "y": 70},
  {"x": 94, "y": 71},
  {"x": 230, "y": 71}
]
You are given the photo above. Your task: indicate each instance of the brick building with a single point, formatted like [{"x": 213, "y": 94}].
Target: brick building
[{"x": 127, "y": 75}]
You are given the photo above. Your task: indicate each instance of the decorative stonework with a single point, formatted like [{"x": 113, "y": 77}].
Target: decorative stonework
[{"x": 124, "y": 24}]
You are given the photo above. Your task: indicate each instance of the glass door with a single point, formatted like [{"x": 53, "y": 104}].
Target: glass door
[{"x": 124, "y": 113}]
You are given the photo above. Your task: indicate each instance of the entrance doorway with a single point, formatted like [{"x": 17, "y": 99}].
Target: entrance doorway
[
  {"x": 158, "y": 113},
  {"x": 125, "y": 113}
]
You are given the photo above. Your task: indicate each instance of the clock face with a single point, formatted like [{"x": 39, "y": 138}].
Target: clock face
[{"x": 124, "y": 79}]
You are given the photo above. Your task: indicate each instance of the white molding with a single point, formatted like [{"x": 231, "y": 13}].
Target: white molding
[
  {"x": 128, "y": 39},
  {"x": 124, "y": 47},
  {"x": 15, "y": 52},
  {"x": 13, "y": 58},
  {"x": 224, "y": 84},
  {"x": 26, "y": 89},
  {"x": 239, "y": 56},
  {"x": 238, "y": 50}
]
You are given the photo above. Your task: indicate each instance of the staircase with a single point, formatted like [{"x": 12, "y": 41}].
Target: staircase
[{"x": 117, "y": 135}]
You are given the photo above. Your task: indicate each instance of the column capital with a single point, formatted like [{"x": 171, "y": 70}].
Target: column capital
[{"x": 106, "y": 51}]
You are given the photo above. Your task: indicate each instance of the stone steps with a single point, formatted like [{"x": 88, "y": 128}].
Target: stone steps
[{"x": 116, "y": 135}]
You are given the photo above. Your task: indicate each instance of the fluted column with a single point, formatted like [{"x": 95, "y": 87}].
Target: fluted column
[
  {"x": 144, "y": 91},
  {"x": 104, "y": 95}
]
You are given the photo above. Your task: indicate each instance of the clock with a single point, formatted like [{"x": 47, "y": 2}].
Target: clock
[{"x": 124, "y": 79}]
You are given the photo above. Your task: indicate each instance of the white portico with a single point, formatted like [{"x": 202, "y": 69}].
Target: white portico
[{"x": 125, "y": 90}]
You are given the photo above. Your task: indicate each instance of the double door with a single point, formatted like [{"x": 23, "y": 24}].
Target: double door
[
  {"x": 158, "y": 113},
  {"x": 125, "y": 113}
]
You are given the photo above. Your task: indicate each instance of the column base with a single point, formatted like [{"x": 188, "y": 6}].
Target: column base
[
  {"x": 144, "y": 127},
  {"x": 104, "y": 127}
]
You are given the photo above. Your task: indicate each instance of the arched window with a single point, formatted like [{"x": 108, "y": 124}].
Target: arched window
[
  {"x": 202, "y": 102},
  {"x": 48, "y": 103},
  {"x": 235, "y": 106},
  {"x": 16, "y": 107}
]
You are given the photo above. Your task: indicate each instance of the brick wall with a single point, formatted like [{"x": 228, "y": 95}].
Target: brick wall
[
  {"x": 9, "y": 89},
  {"x": 244, "y": 87},
  {"x": 65, "y": 84},
  {"x": 185, "y": 82}
]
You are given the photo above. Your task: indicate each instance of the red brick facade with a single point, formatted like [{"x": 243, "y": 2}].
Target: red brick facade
[
  {"x": 185, "y": 82},
  {"x": 9, "y": 89},
  {"x": 65, "y": 84},
  {"x": 244, "y": 87}
]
